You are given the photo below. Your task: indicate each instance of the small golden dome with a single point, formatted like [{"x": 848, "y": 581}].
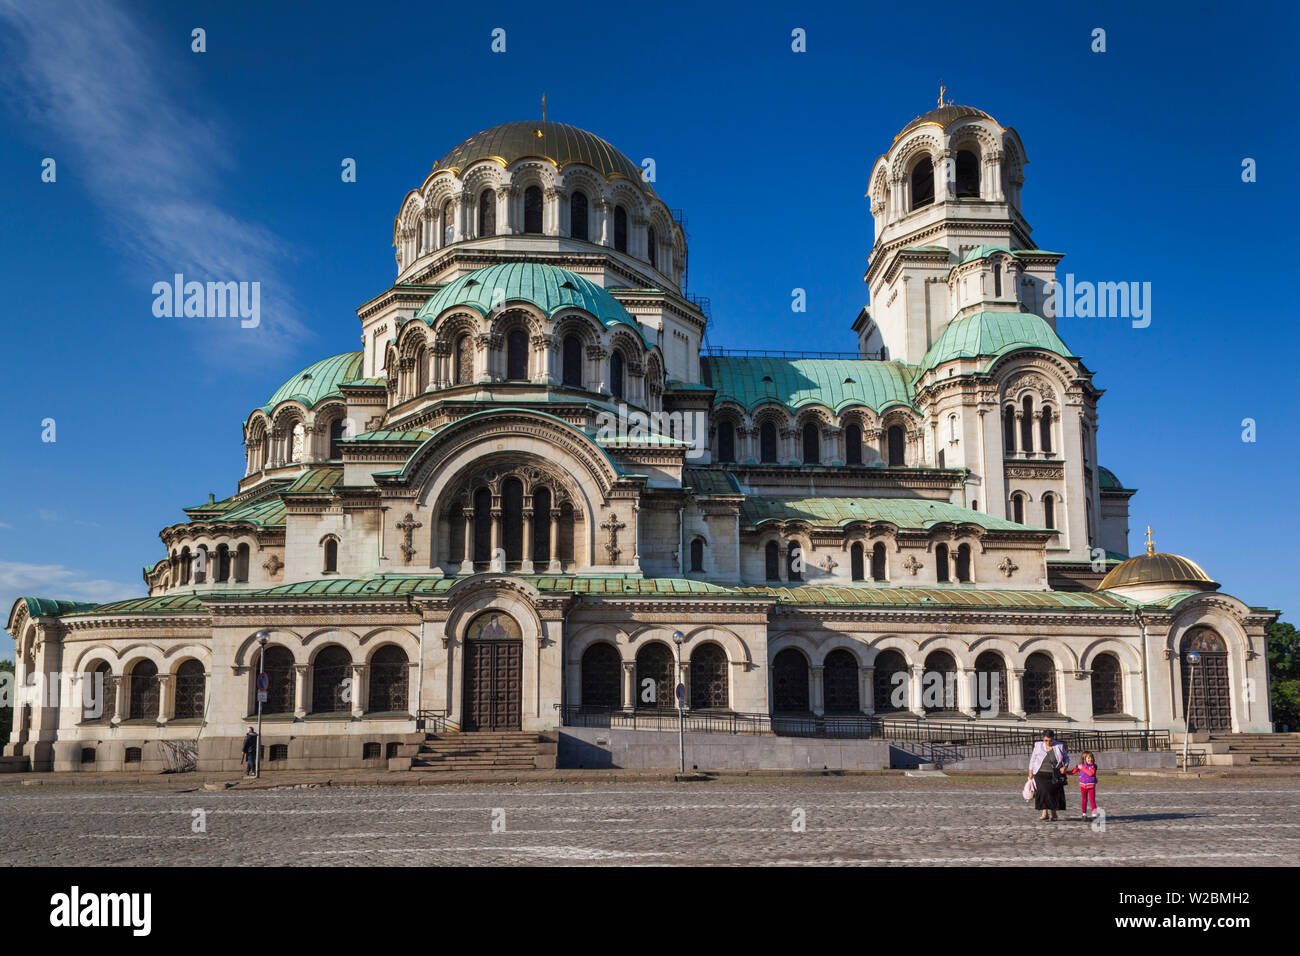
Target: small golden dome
[{"x": 1157, "y": 568}]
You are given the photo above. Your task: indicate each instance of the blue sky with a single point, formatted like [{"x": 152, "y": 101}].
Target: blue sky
[{"x": 226, "y": 164}]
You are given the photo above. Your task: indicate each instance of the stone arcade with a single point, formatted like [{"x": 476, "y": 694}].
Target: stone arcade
[{"x": 435, "y": 526}]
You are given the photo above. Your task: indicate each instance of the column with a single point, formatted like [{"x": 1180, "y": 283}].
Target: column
[
  {"x": 358, "y": 689},
  {"x": 467, "y": 561},
  {"x": 526, "y": 565},
  {"x": 629, "y": 685},
  {"x": 554, "y": 566},
  {"x": 460, "y": 216},
  {"x": 966, "y": 696},
  {"x": 119, "y": 692},
  {"x": 914, "y": 703},
  {"x": 1015, "y": 694},
  {"x": 498, "y": 562},
  {"x": 164, "y": 698},
  {"x": 300, "y": 690},
  {"x": 867, "y": 689},
  {"x": 943, "y": 172},
  {"x": 817, "y": 689}
]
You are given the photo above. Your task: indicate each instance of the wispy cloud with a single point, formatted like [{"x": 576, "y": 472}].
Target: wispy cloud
[
  {"x": 84, "y": 72},
  {"x": 19, "y": 578}
]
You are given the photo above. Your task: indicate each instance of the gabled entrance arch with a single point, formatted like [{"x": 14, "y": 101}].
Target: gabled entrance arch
[{"x": 494, "y": 665}]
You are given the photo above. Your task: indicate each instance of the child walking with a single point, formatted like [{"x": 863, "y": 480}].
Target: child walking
[{"x": 1087, "y": 771}]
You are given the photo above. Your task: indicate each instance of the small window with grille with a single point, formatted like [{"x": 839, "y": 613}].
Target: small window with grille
[
  {"x": 279, "y": 752},
  {"x": 370, "y": 751},
  {"x": 390, "y": 749},
  {"x": 133, "y": 755},
  {"x": 87, "y": 754}
]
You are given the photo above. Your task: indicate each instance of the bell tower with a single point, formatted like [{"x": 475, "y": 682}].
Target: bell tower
[{"x": 947, "y": 187}]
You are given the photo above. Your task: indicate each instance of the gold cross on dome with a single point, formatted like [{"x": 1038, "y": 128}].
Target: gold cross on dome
[
  {"x": 942, "y": 90},
  {"x": 1151, "y": 545}
]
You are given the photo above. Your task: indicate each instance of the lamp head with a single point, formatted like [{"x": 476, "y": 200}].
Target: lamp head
[
  {"x": 1193, "y": 657},
  {"x": 263, "y": 637},
  {"x": 678, "y": 637}
]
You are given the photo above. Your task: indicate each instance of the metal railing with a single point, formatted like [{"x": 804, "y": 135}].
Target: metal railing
[
  {"x": 435, "y": 722},
  {"x": 972, "y": 738},
  {"x": 776, "y": 353}
]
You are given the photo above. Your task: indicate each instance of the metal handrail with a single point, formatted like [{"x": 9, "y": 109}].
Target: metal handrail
[
  {"x": 973, "y": 738},
  {"x": 435, "y": 721}
]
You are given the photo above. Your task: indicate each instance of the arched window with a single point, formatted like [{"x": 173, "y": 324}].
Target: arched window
[
  {"x": 487, "y": 213},
  {"x": 463, "y": 372},
  {"x": 939, "y": 683},
  {"x": 102, "y": 694},
  {"x": 968, "y": 175},
  {"x": 533, "y": 209},
  {"x": 878, "y": 569},
  {"x": 790, "y": 682},
  {"x": 144, "y": 691},
  {"x": 963, "y": 562},
  {"x": 517, "y": 355},
  {"x": 726, "y": 441},
  {"x": 853, "y": 445},
  {"x": 1009, "y": 430},
  {"x": 840, "y": 683},
  {"x": 620, "y": 229},
  {"x": 512, "y": 521},
  {"x": 655, "y": 676},
  {"x": 1027, "y": 425},
  {"x": 421, "y": 371},
  {"x": 201, "y": 564},
  {"x": 922, "y": 183},
  {"x": 189, "y": 691},
  {"x": 1049, "y": 512},
  {"x": 186, "y": 562},
  {"x": 772, "y": 561},
  {"x": 652, "y": 247},
  {"x": 541, "y": 527},
  {"x": 338, "y": 431},
  {"x": 890, "y": 683},
  {"x": 941, "y": 562},
  {"x": 697, "y": 554},
  {"x": 794, "y": 561},
  {"x": 767, "y": 443},
  {"x": 616, "y": 374},
  {"x": 709, "y": 684},
  {"x": 990, "y": 684},
  {"x": 941, "y": 458},
  {"x": 578, "y": 216},
  {"x": 602, "y": 678},
  {"x": 482, "y": 527},
  {"x": 1018, "y": 508},
  {"x": 896, "y": 446},
  {"x": 448, "y": 224},
  {"x": 812, "y": 453},
  {"x": 329, "y": 693},
  {"x": 565, "y": 531},
  {"x": 241, "y": 563},
  {"x": 856, "y": 564},
  {"x": 1045, "y": 429},
  {"x": 573, "y": 361},
  {"x": 331, "y": 561},
  {"x": 1107, "y": 686},
  {"x": 1040, "y": 684},
  {"x": 387, "y": 689},
  {"x": 277, "y": 664},
  {"x": 223, "y": 563}
]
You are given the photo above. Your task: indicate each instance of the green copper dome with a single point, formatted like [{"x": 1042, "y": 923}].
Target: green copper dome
[
  {"x": 992, "y": 334},
  {"x": 550, "y": 288},
  {"x": 318, "y": 381}
]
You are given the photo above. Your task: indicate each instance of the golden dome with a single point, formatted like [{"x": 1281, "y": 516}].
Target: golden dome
[
  {"x": 943, "y": 117},
  {"x": 557, "y": 142},
  {"x": 1157, "y": 568}
]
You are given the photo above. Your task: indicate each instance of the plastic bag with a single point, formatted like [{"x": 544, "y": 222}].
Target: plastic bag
[{"x": 1028, "y": 792}]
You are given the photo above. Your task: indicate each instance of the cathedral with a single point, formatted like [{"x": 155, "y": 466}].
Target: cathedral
[{"x": 536, "y": 493}]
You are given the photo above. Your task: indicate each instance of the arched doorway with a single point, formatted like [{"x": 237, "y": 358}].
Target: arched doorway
[
  {"x": 840, "y": 683},
  {"x": 990, "y": 685},
  {"x": 654, "y": 676},
  {"x": 602, "y": 672},
  {"x": 709, "y": 685},
  {"x": 1207, "y": 699},
  {"x": 939, "y": 683},
  {"x": 790, "y": 682},
  {"x": 1039, "y": 684},
  {"x": 494, "y": 659},
  {"x": 891, "y": 682}
]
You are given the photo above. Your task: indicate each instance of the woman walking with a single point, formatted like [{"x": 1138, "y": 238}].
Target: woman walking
[{"x": 1047, "y": 765}]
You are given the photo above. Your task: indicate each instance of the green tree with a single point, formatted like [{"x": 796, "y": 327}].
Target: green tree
[
  {"x": 1284, "y": 674},
  {"x": 7, "y": 711}
]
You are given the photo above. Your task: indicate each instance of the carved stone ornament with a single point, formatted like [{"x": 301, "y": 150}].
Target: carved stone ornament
[
  {"x": 272, "y": 565},
  {"x": 1008, "y": 567},
  {"x": 911, "y": 564},
  {"x": 613, "y": 526},
  {"x": 407, "y": 526}
]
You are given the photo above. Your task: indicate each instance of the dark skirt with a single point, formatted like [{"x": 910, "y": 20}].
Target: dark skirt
[{"x": 1048, "y": 795}]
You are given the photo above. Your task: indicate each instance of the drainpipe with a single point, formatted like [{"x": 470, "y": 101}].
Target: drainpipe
[
  {"x": 419, "y": 687},
  {"x": 681, "y": 542},
  {"x": 1146, "y": 667}
]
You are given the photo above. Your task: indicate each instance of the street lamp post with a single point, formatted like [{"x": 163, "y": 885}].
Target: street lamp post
[
  {"x": 262, "y": 637},
  {"x": 678, "y": 637},
  {"x": 1193, "y": 658}
]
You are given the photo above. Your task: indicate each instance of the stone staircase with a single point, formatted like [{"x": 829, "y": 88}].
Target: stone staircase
[
  {"x": 505, "y": 750},
  {"x": 1258, "y": 750}
]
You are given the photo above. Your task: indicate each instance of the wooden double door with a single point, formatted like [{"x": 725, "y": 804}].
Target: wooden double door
[{"x": 493, "y": 685}]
